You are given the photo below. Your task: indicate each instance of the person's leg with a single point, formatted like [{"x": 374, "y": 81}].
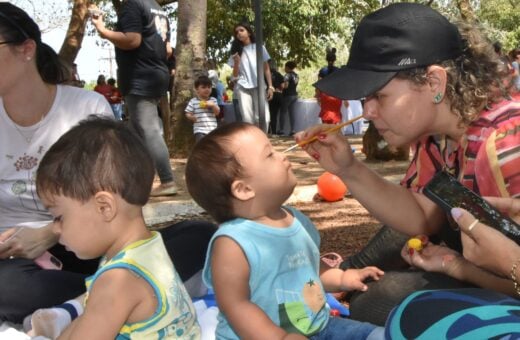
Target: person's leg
[
  {"x": 236, "y": 108},
  {"x": 51, "y": 322},
  {"x": 383, "y": 251},
  {"x": 25, "y": 287},
  {"x": 341, "y": 328},
  {"x": 199, "y": 136},
  {"x": 375, "y": 304},
  {"x": 274, "y": 108},
  {"x": 284, "y": 112},
  {"x": 187, "y": 243},
  {"x": 144, "y": 117},
  {"x": 464, "y": 313},
  {"x": 245, "y": 104},
  {"x": 292, "y": 113}
]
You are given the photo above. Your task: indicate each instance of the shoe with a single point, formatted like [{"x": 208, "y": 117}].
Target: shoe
[{"x": 169, "y": 189}]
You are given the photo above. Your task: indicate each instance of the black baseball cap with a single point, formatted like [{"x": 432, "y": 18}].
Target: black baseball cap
[{"x": 397, "y": 37}]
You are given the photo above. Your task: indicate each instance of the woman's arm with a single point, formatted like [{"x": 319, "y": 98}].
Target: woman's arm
[
  {"x": 27, "y": 243},
  {"x": 230, "y": 276},
  {"x": 122, "y": 40},
  {"x": 392, "y": 204},
  {"x": 268, "y": 77}
]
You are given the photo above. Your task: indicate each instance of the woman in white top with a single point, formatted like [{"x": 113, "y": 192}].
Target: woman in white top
[
  {"x": 243, "y": 62},
  {"x": 34, "y": 112}
]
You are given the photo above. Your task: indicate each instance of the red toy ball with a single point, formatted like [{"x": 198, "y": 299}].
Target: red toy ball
[{"x": 331, "y": 188}]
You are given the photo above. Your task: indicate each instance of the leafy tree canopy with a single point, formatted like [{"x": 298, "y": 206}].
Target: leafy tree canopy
[{"x": 292, "y": 29}]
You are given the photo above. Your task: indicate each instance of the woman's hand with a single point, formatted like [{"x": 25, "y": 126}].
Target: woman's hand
[
  {"x": 27, "y": 243},
  {"x": 432, "y": 258},
  {"x": 331, "y": 150},
  {"x": 484, "y": 246}
]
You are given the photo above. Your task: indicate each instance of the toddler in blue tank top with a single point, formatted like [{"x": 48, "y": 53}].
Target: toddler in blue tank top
[{"x": 263, "y": 262}]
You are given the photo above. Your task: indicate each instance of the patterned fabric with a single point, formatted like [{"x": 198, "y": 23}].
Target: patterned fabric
[
  {"x": 455, "y": 314},
  {"x": 486, "y": 159},
  {"x": 175, "y": 316},
  {"x": 284, "y": 273}
]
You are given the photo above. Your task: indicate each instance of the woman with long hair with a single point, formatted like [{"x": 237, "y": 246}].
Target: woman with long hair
[{"x": 243, "y": 62}]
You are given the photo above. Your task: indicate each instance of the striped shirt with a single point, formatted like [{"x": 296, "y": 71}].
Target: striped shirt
[
  {"x": 486, "y": 159},
  {"x": 206, "y": 120}
]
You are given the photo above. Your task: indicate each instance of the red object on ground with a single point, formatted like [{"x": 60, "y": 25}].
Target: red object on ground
[{"x": 331, "y": 187}]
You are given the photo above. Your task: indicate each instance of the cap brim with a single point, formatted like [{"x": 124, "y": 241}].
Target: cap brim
[{"x": 348, "y": 83}]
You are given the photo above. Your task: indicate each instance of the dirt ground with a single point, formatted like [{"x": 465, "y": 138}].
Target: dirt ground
[{"x": 345, "y": 226}]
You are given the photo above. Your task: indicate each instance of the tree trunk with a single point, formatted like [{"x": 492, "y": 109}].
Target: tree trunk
[
  {"x": 466, "y": 11},
  {"x": 190, "y": 57},
  {"x": 75, "y": 32}
]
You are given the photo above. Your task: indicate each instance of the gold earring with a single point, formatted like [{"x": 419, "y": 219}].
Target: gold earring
[{"x": 438, "y": 98}]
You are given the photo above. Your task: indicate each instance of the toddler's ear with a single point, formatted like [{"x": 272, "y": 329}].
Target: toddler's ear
[
  {"x": 241, "y": 190},
  {"x": 106, "y": 205}
]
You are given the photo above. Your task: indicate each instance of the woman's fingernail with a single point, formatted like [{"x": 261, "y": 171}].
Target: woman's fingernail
[
  {"x": 316, "y": 156},
  {"x": 456, "y": 213},
  {"x": 410, "y": 251},
  {"x": 322, "y": 136}
]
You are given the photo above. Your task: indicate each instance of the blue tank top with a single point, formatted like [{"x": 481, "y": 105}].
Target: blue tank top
[{"x": 284, "y": 273}]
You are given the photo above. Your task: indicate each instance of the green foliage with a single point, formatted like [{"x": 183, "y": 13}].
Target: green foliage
[
  {"x": 502, "y": 17},
  {"x": 298, "y": 30}
]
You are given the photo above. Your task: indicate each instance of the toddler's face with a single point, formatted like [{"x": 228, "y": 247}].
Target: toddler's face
[
  {"x": 268, "y": 171},
  {"x": 79, "y": 225},
  {"x": 203, "y": 91}
]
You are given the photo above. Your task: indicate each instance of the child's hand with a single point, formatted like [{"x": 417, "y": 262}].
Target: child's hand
[
  {"x": 353, "y": 279},
  {"x": 191, "y": 117}
]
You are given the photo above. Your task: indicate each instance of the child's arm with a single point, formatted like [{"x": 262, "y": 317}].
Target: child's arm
[
  {"x": 191, "y": 117},
  {"x": 336, "y": 280},
  {"x": 230, "y": 272},
  {"x": 117, "y": 296}
]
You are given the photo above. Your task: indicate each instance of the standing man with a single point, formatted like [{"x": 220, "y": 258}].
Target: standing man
[{"x": 141, "y": 41}]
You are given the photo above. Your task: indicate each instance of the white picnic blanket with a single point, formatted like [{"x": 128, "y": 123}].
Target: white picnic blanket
[{"x": 207, "y": 320}]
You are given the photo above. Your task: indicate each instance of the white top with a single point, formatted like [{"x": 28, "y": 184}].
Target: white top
[
  {"x": 247, "y": 77},
  {"x": 206, "y": 120},
  {"x": 22, "y": 148}
]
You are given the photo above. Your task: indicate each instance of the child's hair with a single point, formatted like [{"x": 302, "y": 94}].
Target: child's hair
[
  {"x": 97, "y": 154},
  {"x": 211, "y": 169},
  {"x": 472, "y": 77},
  {"x": 111, "y": 81},
  {"x": 202, "y": 80},
  {"x": 291, "y": 65}
]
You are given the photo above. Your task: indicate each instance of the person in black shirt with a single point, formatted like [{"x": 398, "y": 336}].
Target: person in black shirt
[{"x": 141, "y": 40}]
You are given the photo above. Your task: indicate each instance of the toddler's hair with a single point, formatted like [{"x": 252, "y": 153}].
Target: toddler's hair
[
  {"x": 202, "y": 80},
  {"x": 98, "y": 154},
  {"x": 211, "y": 169}
]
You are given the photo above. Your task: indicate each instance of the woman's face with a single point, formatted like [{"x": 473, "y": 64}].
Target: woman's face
[
  {"x": 242, "y": 34},
  {"x": 11, "y": 59},
  {"x": 401, "y": 111}
]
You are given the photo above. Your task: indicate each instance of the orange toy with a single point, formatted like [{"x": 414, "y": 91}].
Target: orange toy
[{"x": 331, "y": 188}]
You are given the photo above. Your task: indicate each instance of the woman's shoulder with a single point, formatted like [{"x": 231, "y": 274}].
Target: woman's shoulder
[{"x": 80, "y": 100}]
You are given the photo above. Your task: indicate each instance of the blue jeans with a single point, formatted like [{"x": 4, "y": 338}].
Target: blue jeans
[
  {"x": 340, "y": 328},
  {"x": 144, "y": 117},
  {"x": 118, "y": 110}
]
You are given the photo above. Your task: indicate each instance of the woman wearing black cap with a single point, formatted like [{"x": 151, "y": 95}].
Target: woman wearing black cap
[{"x": 430, "y": 84}]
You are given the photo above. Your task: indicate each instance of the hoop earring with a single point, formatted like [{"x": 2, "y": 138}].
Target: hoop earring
[{"x": 438, "y": 98}]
